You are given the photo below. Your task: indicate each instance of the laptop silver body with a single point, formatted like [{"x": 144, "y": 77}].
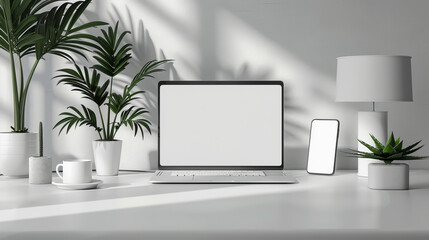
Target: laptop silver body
[{"x": 220, "y": 132}]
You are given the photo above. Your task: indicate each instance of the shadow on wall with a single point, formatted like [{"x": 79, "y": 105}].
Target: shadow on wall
[
  {"x": 209, "y": 68},
  {"x": 143, "y": 51}
]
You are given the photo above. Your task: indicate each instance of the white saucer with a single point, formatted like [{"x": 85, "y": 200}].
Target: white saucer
[{"x": 78, "y": 186}]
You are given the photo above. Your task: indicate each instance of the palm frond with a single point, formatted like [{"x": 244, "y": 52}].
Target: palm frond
[
  {"x": 118, "y": 102},
  {"x": 17, "y": 24},
  {"x": 111, "y": 55},
  {"x": 147, "y": 70},
  {"x": 132, "y": 118},
  {"x": 77, "y": 118},
  {"x": 59, "y": 32},
  {"x": 87, "y": 84}
]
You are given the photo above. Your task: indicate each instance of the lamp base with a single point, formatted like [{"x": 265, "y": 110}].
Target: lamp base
[{"x": 374, "y": 123}]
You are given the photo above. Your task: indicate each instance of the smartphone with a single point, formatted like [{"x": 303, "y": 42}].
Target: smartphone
[{"x": 322, "y": 147}]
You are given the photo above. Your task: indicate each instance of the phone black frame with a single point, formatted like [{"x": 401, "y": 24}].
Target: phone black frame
[
  {"x": 163, "y": 83},
  {"x": 336, "y": 146}
]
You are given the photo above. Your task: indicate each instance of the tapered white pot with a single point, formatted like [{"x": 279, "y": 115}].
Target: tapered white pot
[
  {"x": 107, "y": 156},
  {"x": 15, "y": 149}
]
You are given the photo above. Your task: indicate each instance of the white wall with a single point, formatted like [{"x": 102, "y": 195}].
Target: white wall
[{"x": 296, "y": 41}]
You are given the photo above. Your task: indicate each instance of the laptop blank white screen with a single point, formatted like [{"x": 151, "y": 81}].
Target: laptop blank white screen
[{"x": 220, "y": 125}]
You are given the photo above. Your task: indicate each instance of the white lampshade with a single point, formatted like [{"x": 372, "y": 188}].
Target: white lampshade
[{"x": 374, "y": 78}]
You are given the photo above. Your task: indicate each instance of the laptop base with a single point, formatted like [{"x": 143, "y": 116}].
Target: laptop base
[{"x": 271, "y": 176}]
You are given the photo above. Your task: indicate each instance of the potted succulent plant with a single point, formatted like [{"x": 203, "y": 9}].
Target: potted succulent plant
[
  {"x": 32, "y": 28},
  {"x": 388, "y": 175},
  {"x": 113, "y": 109}
]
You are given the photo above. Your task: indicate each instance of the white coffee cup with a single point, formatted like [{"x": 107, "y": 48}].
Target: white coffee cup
[{"x": 76, "y": 171}]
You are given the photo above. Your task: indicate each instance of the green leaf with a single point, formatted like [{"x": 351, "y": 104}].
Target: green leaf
[
  {"x": 398, "y": 146},
  {"x": 60, "y": 35},
  {"x": 371, "y": 148},
  {"x": 112, "y": 59},
  {"x": 388, "y": 148},
  {"x": 398, "y": 140},
  {"x": 414, "y": 157},
  {"x": 389, "y": 153},
  {"x": 395, "y": 156},
  {"x": 412, "y": 151},
  {"x": 378, "y": 144},
  {"x": 390, "y": 141},
  {"x": 407, "y": 149},
  {"x": 87, "y": 25},
  {"x": 132, "y": 119},
  {"x": 87, "y": 84},
  {"x": 77, "y": 118}
]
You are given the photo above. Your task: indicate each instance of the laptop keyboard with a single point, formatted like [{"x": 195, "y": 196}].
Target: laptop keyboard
[{"x": 218, "y": 173}]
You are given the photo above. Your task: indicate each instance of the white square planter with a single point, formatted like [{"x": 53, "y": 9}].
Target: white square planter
[
  {"x": 393, "y": 176},
  {"x": 40, "y": 170}
]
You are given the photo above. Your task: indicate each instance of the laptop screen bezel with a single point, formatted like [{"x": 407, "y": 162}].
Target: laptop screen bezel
[{"x": 261, "y": 167}]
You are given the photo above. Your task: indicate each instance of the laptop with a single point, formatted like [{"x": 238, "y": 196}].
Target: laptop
[{"x": 220, "y": 132}]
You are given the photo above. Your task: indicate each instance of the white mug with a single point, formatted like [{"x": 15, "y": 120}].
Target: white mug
[{"x": 76, "y": 171}]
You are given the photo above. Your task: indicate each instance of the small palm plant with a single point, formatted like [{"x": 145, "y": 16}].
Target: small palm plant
[
  {"x": 34, "y": 28},
  {"x": 114, "y": 109},
  {"x": 392, "y": 150}
]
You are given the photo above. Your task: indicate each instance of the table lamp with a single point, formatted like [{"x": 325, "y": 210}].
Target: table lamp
[{"x": 373, "y": 78}]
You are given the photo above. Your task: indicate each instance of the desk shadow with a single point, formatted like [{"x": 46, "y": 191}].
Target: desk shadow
[
  {"x": 208, "y": 212},
  {"x": 109, "y": 191}
]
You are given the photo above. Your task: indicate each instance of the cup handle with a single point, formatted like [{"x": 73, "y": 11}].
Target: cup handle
[{"x": 58, "y": 172}]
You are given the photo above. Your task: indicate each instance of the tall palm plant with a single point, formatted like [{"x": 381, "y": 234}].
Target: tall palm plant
[
  {"x": 28, "y": 29},
  {"x": 114, "y": 109}
]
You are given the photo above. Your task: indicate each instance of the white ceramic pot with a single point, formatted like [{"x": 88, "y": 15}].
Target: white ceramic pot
[
  {"x": 15, "y": 149},
  {"x": 107, "y": 156},
  {"x": 394, "y": 176}
]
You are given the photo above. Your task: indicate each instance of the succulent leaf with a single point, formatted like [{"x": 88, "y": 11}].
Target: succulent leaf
[
  {"x": 398, "y": 146},
  {"x": 371, "y": 148},
  {"x": 378, "y": 144},
  {"x": 411, "y": 146},
  {"x": 413, "y": 150},
  {"x": 395, "y": 156},
  {"x": 393, "y": 150},
  {"x": 397, "y": 141},
  {"x": 391, "y": 140},
  {"x": 388, "y": 149}
]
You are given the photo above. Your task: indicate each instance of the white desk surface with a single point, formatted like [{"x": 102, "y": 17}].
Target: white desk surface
[{"x": 129, "y": 207}]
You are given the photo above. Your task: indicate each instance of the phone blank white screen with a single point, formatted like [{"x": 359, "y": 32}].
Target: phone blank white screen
[
  {"x": 220, "y": 125},
  {"x": 323, "y": 146}
]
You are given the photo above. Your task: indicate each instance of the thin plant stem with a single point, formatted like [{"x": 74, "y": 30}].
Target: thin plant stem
[
  {"x": 16, "y": 117},
  {"x": 99, "y": 135},
  {"x": 113, "y": 126},
  {"x": 108, "y": 110},
  {"x": 24, "y": 94},
  {"x": 16, "y": 105},
  {"x": 102, "y": 122},
  {"x": 21, "y": 75}
]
